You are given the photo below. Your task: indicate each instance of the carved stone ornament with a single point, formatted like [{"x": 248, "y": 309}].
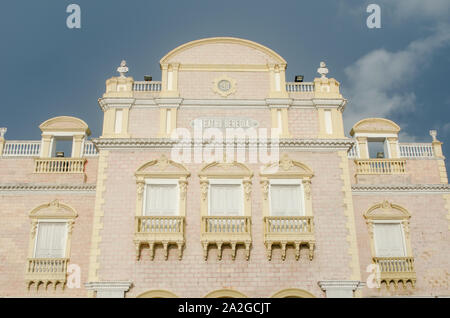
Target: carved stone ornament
[
  {"x": 265, "y": 188},
  {"x": 323, "y": 70},
  {"x": 123, "y": 68},
  {"x": 286, "y": 162},
  {"x": 204, "y": 188}
]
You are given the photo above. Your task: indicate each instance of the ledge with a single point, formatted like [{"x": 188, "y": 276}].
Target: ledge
[{"x": 401, "y": 188}]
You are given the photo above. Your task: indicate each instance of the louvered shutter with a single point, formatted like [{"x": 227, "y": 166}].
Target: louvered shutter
[
  {"x": 161, "y": 199},
  {"x": 286, "y": 200},
  {"x": 225, "y": 199},
  {"x": 51, "y": 240},
  {"x": 389, "y": 241}
]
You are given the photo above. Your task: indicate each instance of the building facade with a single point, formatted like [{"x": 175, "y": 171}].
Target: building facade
[{"x": 166, "y": 204}]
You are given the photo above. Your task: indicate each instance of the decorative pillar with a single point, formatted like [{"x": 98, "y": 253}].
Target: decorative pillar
[
  {"x": 77, "y": 146},
  {"x": 113, "y": 289},
  {"x": 2, "y": 139},
  {"x": 393, "y": 147},
  {"x": 45, "y": 146},
  {"x": 362, "y": 146},
  {"x": 437, "y": 152},
  {"x": 340, "y": 288}
]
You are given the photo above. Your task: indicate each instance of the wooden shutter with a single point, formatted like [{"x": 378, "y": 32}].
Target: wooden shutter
[
  {"x": 161, "y": 199},
  {"x": 51, "y": 240},
  {"x": 389, "y": 241},
  {"x": 226, "y": 199},
  {"x": 286, "y": 200}
]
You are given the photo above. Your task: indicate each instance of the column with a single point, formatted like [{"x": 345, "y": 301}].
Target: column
[{"x": 112, "y": 289}]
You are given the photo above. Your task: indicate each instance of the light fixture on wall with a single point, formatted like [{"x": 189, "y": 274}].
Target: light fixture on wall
[
  {"x": 147, "y": 78},
  {"x": 298, "y": 78}
]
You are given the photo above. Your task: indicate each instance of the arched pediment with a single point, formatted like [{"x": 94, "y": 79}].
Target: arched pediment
[
  {"x": 286, "y": 168},
  {"x": 65, "y": 123},
  {"x": 387, "y": 211},
  {"x": 53, "y": 210},
  {"x": 225, "y": 169},
  {"x": 157, "y": 294},
  {"x": 293, "y": 293},
  {"x": 222, "y": 50},
  {"x": 375, "y": 125},
  {"x": 162, "y": 167},
  {"x": 225, "y": 293}
]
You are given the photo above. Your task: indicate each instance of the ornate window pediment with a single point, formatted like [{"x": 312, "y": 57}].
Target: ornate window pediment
[
  {"x": 56, "y": 220},
  {"x": 375, "y": 125},
  {"x": 158, "y": 228},
  {"x": 387, "y": 211},
  {"x": 284, "y": 228}
]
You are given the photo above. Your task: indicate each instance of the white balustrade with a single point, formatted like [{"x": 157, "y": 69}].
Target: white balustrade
[
  {"x": 89, "y": 149},
  {"x": 301, "y": 87},
  {"x": 144, "y": 86},
  {"x": 416, "y": 150},
  {"x": 21, "y": 148}
]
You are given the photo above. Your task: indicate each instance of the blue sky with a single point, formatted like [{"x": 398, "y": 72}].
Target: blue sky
[{"x": 398, "y": 71}]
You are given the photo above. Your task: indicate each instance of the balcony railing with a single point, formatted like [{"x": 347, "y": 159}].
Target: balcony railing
[
  {"x": 289, "y": 230},
  {"x": 147, "y": 86},
  {"x": 22, "y": 148},
  {"x": 380, "y": 166},
  {"x": 46, "y": 270},
  {"x": 89, "y": 149},
  {"x": 396, "y": 269},
  {"x": 165, "y": 230},
  {"x": 415, "y": 150},
  {"x": 221, "y": 230},
  {"x": 59, "y": 165},
  {"x": 303, "y": 87}
]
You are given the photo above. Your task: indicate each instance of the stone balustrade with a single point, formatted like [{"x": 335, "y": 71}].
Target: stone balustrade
[
  {"x": 59, "y": 165},
  {"x": 165, "y": 230},
  {"x": 89, "y": 149},
  {"x": 231, "y": 230},
  {"x": 21, "y": 148},
  {"x": 46, "y": 271},
  {"x": 380, "y": 166},
  {"x": 396, "y": 269},
  {"x": 147, "y": 86},
  {"x": 302, "y": 87},
  {"x": 289, "y": 230},
  {"x": 416, "y": 150}
]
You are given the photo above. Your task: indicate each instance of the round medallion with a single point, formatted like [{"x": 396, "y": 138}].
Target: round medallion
[{"x": 224, "y": 85}]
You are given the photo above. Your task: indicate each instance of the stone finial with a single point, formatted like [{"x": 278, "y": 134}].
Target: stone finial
[
  {"x": 323, "y": 70},
  {"x": 3, "y": 132},
  {"x": 123, "y": 68},
  {"x": 433, "y": 134}
]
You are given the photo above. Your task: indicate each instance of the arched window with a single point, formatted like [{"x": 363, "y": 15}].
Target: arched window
[
  {"x": 157, "y": 294},
  {"x": 225, "y": 293},
  {"x": 293, "y": 293}
]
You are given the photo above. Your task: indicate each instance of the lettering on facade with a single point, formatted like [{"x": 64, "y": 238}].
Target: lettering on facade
[{"x": 226, "y": 122}]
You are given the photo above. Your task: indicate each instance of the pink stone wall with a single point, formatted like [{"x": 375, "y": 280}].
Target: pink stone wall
[
  {"x": 15, "y": 227},
  {"x": 192, "y": 276}
]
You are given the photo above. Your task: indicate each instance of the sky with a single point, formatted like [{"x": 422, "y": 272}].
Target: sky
[{"x": 398, "y": 71}]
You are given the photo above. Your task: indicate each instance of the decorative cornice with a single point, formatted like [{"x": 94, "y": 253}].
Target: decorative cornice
[
  {"x": 36, "y": 187},
  {"x": 401, "y": 188},
  {"x": 158, "y": 143},
  {"x": 113, "y": 285}
]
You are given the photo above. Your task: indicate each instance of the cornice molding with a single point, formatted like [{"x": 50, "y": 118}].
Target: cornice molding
[
  {"x": 401, "y": 188},
  {"x": 340, "y": 284},
  {"x": 36, "y": 187},
  {"x": 158, "y": 143}
]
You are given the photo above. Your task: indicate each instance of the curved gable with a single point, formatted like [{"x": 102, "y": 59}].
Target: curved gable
[
  {"x": 64, "y": 123},
  {"x": 375, "y": 125},
  {"x": 222, "y": 50},
  {"x": 53, "y": 210},
  {"x": 287, "y": 168},
  {"x": 162, "y": 167},
  {"x": 387, "y": 211}
]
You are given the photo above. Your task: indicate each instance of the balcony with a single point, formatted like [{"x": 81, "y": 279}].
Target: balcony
[
  {"x": 46, "y": 271},
  {"x": 380, "y": 166},
  {"x": 226, "y": 230},
  {"x": 396, "y": 269},
  {"x": 59, "y": 165},
  {"x": 289, "y": 230},
  {"x": 147, "y": 86},
  {"x": 164, "y": 230}
]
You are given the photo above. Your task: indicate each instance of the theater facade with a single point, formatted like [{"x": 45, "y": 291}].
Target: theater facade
[{"x": 166, "y": 204}]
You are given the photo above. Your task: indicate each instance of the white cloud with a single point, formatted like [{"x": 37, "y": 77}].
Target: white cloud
[
  {"x": 377, "y": 83},
  {"x": 425, "y": 9}
]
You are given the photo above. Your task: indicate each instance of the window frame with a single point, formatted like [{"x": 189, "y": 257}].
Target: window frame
[
  {"x": 227, "y": 182},
  {"x": 66, "y": 234},
  {"x": 287, "y": 182},
  {"x": 375, "y": 222},
  {"x": 154, "y": 181}
]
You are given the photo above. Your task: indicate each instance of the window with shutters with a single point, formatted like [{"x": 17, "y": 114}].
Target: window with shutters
[
  {"x": 160, "y": 206},
  {"x": 287, "y": 206},
  {"x": 286, "y": 198},
  {"x": 50, "y": 241},
  {"x": 225, "y": 206},
  {"x": 389, "y": 240},
  {"x": 388, "y": 226}
]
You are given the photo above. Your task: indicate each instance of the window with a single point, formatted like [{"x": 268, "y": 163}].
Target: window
[
  {"x": 226, "y": 198},
  {"x": 389, "y": 240},
  {"x": 118, "y": 121},
  {"x": 377, "y": 148},
  {"x": 51, "y": 240},
  {"x": 328, "y": 122},
  {"x": 161, "y": 198},
  {"x": 286, "y": 198}
]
